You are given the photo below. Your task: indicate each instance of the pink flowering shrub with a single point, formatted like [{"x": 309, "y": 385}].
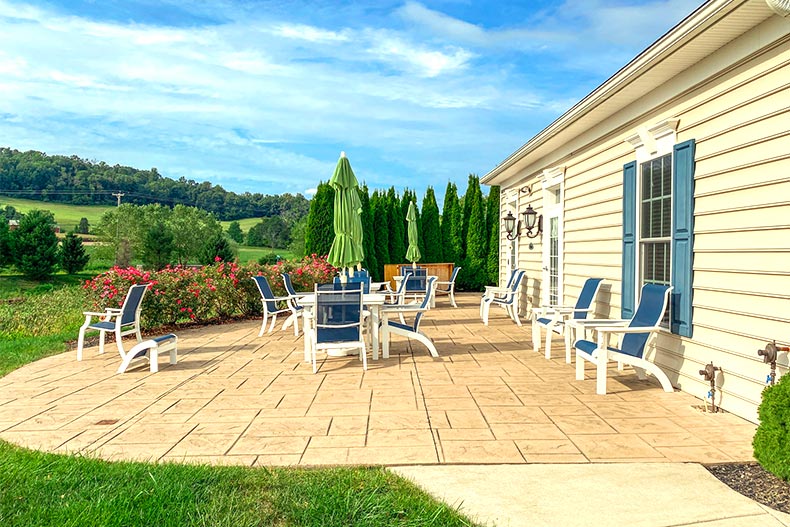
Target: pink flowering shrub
[{"x": 201, "y": 294}]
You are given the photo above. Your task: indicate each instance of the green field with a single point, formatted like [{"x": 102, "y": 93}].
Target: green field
[
  {"x": 67, "y": 216},
  {"x": 245, "y": 224}
]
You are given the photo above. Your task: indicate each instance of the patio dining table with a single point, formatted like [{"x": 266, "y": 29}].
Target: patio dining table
[{"x": 371, "y": 301}]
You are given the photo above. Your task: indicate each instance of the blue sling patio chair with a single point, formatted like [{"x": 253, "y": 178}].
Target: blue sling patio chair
[
  {"x": 553, "y": 318},
  {"x": 415, "y": 283},
  {"x": 337, "y": 320},
  {"x": 270, "y": 309},
  {"x": 121, "y": 322},
  {"x": 508, "y": 300},
  {"x": 412, "y": 330},
  {"x": 497, "y": 290},
  {"x": 634, "y": 336},
  {"x": 448, "y": 287},
  {"x": 296, "y": 308}
]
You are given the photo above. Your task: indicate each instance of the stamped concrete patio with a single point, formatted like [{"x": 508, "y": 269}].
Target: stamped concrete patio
[{"x": 236, "y": 398}]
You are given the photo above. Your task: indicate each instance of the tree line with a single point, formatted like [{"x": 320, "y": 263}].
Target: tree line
[
  {"x": 70, "y": 179},
  {"x": 466, "y": 233}
]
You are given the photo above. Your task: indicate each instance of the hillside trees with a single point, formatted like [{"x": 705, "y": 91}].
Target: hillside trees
[{"x": 35, "y": 175}]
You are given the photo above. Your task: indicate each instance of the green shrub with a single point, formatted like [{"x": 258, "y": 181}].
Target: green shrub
[{"x": 772, "y": 439}]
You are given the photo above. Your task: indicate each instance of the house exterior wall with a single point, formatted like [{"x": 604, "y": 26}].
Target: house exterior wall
[{"x": 736, "y": 105}]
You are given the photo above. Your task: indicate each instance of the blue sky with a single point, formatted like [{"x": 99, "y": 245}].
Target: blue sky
[{"x": 263, "y": 96}]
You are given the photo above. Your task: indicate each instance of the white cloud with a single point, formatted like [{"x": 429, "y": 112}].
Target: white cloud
[
  {"x": 310, "y": 191},
  {"x": 310, "y": 33}
]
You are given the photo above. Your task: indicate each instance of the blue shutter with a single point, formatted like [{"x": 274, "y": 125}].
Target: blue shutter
[
  {"x": 682, "y": 237},
  {"x": 629, "y": 240}
]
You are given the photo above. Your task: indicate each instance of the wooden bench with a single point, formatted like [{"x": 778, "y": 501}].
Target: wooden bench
[{"x": 150, "y": 349}]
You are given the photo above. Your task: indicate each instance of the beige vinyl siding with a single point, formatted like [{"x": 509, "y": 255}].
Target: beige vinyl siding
[{"x": 739, "y": 118}]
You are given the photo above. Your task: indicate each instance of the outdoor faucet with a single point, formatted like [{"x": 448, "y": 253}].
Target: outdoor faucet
[
  {"x": 769, "y": 357},
  {"x": 709, "y": 374}
]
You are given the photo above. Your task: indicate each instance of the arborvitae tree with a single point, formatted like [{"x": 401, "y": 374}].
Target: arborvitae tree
[
  {"x": 473, "y": 184},
  {"x": 297, "y": 238},
  {"x": 381, "y": 228},
  {"x": 370, "y": 262},
  {"x": 35, "y": 246},
  {"x": 492, "y": 227},
  {"x": 397, "y": 228},
  {"x": 217, "y": 247},
  {"x": 234, "y": 232},
  {"x": 5, "y": 243},
  {"x": 83, "y": 227},
  {"x": 451, "y": 225},
  {"x": 431, "y": 231},
  {"x": 72, "y": 256},
  {"x": 157, "y": 246},
  {"x": 475, "y": 269},
  {"x": 320, "y": 231}
]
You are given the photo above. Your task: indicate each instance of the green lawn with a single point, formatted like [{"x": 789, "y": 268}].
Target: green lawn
[
  {"x": 247, "y": 254},
  {"x": 40, "y": 489},
  {"x": 45, "y": 489},
  {"x": 67, "y": 216}
]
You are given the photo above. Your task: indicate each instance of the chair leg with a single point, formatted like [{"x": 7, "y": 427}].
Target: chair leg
[
  {"x": 81, "y": 341},
  {"x": 579, "y": 366},
  {"x": 426, "y": 341},
  {"x": 549, "y": 335},
  {"x": 514, "y": 313},
  {"x": 567, "y": 335},
  {"x": 535, "y": 334},
  {"x": 600, "y": 374},
  {"x": 274, "y": 321},
  {"x": 486, "y": 306},
  {"x": 263, "y": 324},
  {"x": 101, "y": 341},
  {"x": 452, "y": 295},
  {"x": 119, "y": 341}
]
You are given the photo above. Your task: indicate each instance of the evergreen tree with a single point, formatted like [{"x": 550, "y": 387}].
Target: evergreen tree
[
  {"x": 217, "y": 247},
  {"x": 451, "y": 225},
  {"x": 381, "y": 230},
  {"x": 5, "y": 243},
  {"x": 492, "y": 227},
  {"x": 297, "y": 238},
  {"x": 431, "y": 231},
  {"x": 472, "y": 186},
  {"x": 157, "y": 246},
  {"x": 475, "y": 262},
  {"x": 35, "y": 246},
  {"x": 83, "y": 227},
  {"x": 320, "y": 230},
  {"x": 72, "y": 254},
  {"x": 370, "y": 262},
  {"x": 397, "y": 228},
  {"x": 234, "y": 232}
]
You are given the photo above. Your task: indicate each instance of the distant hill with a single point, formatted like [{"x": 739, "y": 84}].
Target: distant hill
[{"x": 70, "y": 179}]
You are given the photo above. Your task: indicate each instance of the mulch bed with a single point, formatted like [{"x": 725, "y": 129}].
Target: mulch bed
[{"x": 753, "y": 481}]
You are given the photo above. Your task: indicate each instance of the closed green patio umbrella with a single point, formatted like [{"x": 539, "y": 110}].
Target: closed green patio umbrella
[
  {"x": 346, "y": 251},
  {"x": 413, "y": 252}
]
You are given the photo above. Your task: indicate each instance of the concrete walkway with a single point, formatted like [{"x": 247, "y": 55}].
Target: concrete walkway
[{"x": 632, "y": 494}]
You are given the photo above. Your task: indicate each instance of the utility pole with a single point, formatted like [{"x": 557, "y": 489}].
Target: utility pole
[{"x": 118, "y": 195}]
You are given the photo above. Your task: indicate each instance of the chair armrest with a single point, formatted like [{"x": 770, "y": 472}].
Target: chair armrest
[
  {"x": 113, "y": 310},
  {"x": 595, "y": 323},
  {"x": 402, "y": 308},
  {"x": 496, "y": 289},
  {"x": 632, "y": 329},
  {"x": 94, "y": 314}
]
